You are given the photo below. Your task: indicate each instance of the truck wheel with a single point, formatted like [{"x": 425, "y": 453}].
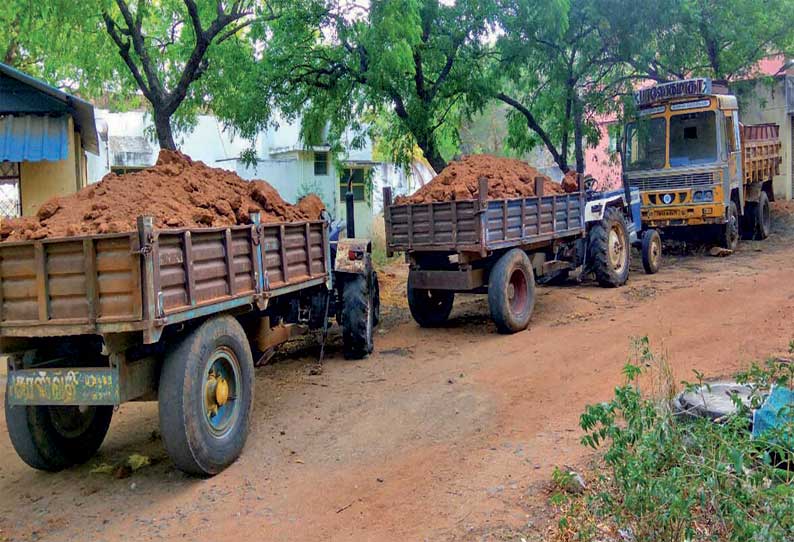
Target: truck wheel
[
  {"x": 52, "y": 438},
  {"x": 430, "y": 308},
  {"x": 729, "y": 232},
  {"x": 651, "y": 252},
  {"x": 763, "y": 218},
  {"x": 206, "y": 395},
  {"x": 511, "y": 292},
  {"x": 747, "y": 222},
  {"x": 358, "y": 317},
  {"x": 609, "y": 252}
]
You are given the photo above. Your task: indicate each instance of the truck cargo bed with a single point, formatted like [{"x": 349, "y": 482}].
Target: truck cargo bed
[
  {"x": 146, "y": 280},
  {"x": 483, "y": 225}
]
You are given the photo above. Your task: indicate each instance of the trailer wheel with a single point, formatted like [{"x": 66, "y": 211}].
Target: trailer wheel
[
  {"x": 52, "y": 438},
  {"x": 511, "y": 292},
  {"x": 729, "y": 232},
  {"x": 206, "y": 395},
  {"x": 358, "y": 317},
  {"x": 651, "y": 252},
  {"x": 609, "y": 252},
  {"x": 430, "y": 308},
  {"x": 763, "y": 218}
]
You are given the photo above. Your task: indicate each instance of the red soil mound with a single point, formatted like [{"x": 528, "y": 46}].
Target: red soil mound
[
  {"x": 177, "y": 192},
  {"x": 312, "y": 206},
  {"x": 507, "y": 178}
]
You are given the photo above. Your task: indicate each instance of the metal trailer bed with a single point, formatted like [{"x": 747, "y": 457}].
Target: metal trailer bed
[
  {"x": 146, "y": 280},
  {"x": 88, "y": 323},
  {"x": 499, "y": 247}
]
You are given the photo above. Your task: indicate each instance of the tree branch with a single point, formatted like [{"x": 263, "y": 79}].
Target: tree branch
[{"x": 537, "y": 128}]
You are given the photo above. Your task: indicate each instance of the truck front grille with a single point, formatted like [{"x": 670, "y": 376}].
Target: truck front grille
[{"x": 671, "y": 182}]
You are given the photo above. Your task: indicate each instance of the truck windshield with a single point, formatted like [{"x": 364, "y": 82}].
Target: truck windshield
[
  {"x": 693, "y": 139},
  {"x": 646, "y": 144}
]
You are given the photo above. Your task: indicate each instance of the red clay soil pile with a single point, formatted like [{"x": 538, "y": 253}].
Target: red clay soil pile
[
  {"x": 177, "y": 192},
  {"x": 507, "y": 178}
]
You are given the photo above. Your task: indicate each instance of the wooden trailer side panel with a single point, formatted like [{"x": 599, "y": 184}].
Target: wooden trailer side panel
[{"x": 77, "y": 281}]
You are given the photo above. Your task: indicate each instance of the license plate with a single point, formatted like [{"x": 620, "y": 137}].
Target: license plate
[{"x": 89, "y": 386}]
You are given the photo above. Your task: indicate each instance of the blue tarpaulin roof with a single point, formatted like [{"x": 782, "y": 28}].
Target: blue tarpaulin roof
[
  {"x": 32, "y": 138},
  {"x": 21, "y": 94}
]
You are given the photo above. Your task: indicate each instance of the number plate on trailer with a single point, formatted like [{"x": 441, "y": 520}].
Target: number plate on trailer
[{"x": 91, "y": 386}]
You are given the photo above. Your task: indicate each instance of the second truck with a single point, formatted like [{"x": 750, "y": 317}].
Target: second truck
[{"x": 701, "y": 173}]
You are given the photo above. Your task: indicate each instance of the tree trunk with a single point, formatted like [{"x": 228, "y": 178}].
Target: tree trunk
[
  {"x": 162, "y": 125},
  {"x": 578, "y": 133},
  {"x": 432, "y": 155}
]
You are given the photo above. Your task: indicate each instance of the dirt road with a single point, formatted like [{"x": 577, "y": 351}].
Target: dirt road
[{"x": 447, "y": 434}]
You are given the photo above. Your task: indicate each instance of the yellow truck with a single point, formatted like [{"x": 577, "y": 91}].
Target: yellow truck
[{"x": 701, "y": 173}]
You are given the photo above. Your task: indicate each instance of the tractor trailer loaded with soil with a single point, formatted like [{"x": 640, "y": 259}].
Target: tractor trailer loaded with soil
[
  {"x": 495, "y": 226},
  {"x": 700, "y": 171},
  {"x": 173, "y": 314}
]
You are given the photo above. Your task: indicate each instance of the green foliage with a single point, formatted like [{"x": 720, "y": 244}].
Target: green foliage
[
  {"x": 409, "y": 67},
  {"x": 673, "y": 479}
]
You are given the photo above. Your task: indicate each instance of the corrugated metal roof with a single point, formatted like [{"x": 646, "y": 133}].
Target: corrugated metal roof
[
  {"x": 12, "y": 101},
  {"x": 32, "y": 138}
]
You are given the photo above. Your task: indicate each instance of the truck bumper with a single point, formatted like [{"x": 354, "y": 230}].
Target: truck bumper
[{"x": 683, "y": 215}]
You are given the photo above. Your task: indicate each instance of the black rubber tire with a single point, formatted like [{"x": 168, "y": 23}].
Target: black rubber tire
[
  {"x": 358, "y": 317},
  {"x": 729, "y": 232},
  {"x": 748, "y": 221},
  {"x": 607, "y": 273},
  {"x": 40, "y": 439},
  {"x": 430, "y": 308},
  {"x": 651, "y": 251},
  {"x": 186, "y": 434},
  {"x": 376, "y": 299},
  {"x": 763, "y": 218},
  {"x": 511, "y": 292}
]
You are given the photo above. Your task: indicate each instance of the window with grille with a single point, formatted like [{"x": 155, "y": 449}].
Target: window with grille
[
  {"x": 321, "y": 163},
  {"x": 358, "y": 183},
  {"x": 10, "y": 199}
]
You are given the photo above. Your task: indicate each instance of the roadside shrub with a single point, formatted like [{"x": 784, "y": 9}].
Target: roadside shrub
[{"x": 670, "y": 478}]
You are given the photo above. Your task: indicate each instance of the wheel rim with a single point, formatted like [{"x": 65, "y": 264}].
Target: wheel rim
[
  {"x": 616, "y": 248},
  {"x": 655, "y": 250},
  {"x": 221, "y": 386},
  {"x": 517, "y": 292},
  {"x": 71, "y": 421}
]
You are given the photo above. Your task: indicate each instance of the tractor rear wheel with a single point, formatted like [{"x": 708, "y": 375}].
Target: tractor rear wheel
[{"x": 608, "y": 249}]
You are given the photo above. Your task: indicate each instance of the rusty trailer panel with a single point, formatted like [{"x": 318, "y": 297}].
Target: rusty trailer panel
[
  {"x": 146, "y": 280},
  {"x": 483, "y": 225}
]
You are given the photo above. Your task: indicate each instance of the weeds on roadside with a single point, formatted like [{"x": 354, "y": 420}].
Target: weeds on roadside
[{"x": 671, "y": 479}]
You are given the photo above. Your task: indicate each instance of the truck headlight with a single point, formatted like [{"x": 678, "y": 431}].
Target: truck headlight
[{"x": 703, "y": 196}]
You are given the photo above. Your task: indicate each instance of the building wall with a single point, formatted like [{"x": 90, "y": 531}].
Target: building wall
[
  {"x": 768, "y": 105},
  {"x": 40, "y": 181}
]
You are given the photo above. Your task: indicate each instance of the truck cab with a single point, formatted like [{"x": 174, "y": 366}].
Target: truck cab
[{"x": 686, "y": 152}]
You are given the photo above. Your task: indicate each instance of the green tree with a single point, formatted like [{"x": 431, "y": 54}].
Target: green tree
[
  {"x": 562, "y": 69},
  {"x": 723, "y": 39},
  {"x": 168, "y": 47},
  {"x": 408, "y": 68},
  {"x": 179, "y": 55}
]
